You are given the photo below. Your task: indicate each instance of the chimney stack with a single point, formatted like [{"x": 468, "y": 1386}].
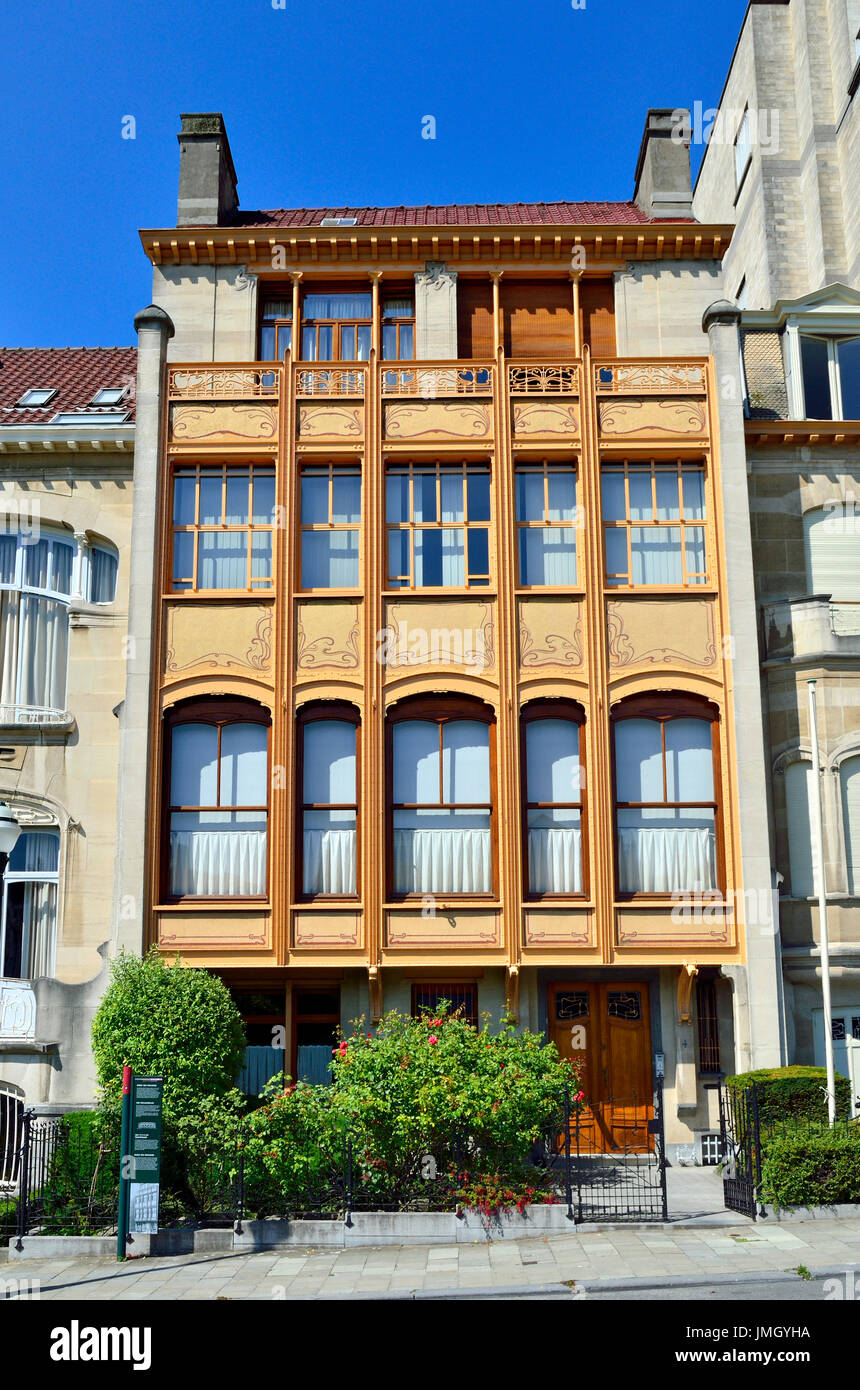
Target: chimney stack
[
  {"x": 207, "y": 178},
  {"x": 663, "y": 186}
]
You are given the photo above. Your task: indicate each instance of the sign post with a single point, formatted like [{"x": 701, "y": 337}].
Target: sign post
[
  {"x": 145, "y": 1150},
  {"x": 124, "y": 1165}
]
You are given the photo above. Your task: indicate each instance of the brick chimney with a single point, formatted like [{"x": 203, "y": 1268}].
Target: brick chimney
[
  {"x": 663, "y": 186},
  {"x": 207, "y": 178}
]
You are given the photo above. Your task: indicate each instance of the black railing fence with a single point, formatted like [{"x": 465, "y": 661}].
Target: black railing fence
[{"x": 68, "y": 1176}]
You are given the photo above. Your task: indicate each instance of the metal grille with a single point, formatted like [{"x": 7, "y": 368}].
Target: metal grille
[
  {"x": 709, "y": 1033},
  {"x": 765, "y": 376},
  {"x": 11, "y": 1122},
  {"x": 625, "y": 1184}
]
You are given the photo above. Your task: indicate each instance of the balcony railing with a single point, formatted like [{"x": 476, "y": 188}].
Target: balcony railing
[
  {"x": 543, "y": 379},
  {"x": 650, "y": 378},
  {"x": 333, "y": 379},
  {"x": 437, "y": 380},
  {"x": 226, "y": 383}
]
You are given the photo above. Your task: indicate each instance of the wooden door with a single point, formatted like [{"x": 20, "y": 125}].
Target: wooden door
[{"x": 606, "y": 1026}]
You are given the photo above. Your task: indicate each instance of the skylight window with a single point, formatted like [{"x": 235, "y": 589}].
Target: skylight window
[
  {"x": 88, "y": 417},
  {"x": 108, "y": 395},
  {"x": 39, "y": 395},
  {"x": 339, "y": 222}
]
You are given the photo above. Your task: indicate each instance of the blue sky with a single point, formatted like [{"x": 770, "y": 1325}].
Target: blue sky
[{"x": 323, "y": 99}]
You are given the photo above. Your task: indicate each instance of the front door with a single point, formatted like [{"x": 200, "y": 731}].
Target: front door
[{"x": 606, "y": 1027}]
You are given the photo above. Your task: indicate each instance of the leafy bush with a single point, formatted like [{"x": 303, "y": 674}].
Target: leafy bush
[
  {"x": 793, "y": 1093},
  {"x": 83, "y": 1180},
  {"x": 812, "y": 1168},
  {"x": 416, "y": 1087}
]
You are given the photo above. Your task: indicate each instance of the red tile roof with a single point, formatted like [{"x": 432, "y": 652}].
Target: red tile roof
[
  {"x": 76, "y": 374},
  {"x": 460, "y": 215}
]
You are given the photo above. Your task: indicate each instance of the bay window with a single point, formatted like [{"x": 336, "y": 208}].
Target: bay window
[
  {"x": 654, "y": 524},
  {"x": 546, "y": 517},
  {"x": 28, "y": 916},
  {"x": 217, "y": 812},
  {"x": 438, "y": 523},
  {"x": 328, "y": 750},
  {"x": 553, "y": 797},
  {"x": 336, "y": 327},
  {"x": 330, "y": 526},
  {"x": 667, "y": 808},
  {"x": 37, "y": 577},
  {"x": 440, "y": 798},
  {"x": 223, "y": 522}
]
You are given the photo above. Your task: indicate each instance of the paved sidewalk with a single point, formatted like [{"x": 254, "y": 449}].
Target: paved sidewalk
[{"x": 633, "y": 1256}]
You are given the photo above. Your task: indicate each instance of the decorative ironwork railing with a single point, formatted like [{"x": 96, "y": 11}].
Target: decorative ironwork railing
[
  {"x": 434, "y": 381},
  {"x": 650, "y": 378},
  {"x": 224, "y": 383},
  {"x": 331, "y": 380},
  {"x": 560, "y": 379}
]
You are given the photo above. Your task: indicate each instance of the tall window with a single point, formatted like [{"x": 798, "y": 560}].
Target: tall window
[
  {"x": 708, "y": 1026},
  {"x": 849, "y": 782},
  {"x": 830, "y": 369},
  {"x": 276, "y": 329},
  {"x": 743, "y": 148},
  {"x": 336, "y": 327},
  {"x": 654, "y": 524},
  {"x": 441, "y": 801},
  {"x": 666, "y": 799},
  {"x": 546, "y": 517},
  {"x": 223, "y": 519},
  {"x": 36, "y": 584},
  {"x": 398, "y": 329},
  {"x": 803, "y": 854},
  {"x": 438, "y": 519},
  {"x": 832, "y": 543},
  {"x": 217, "y": 814},
  {"x": 28, "y": 921},
  {"x": 330, "y": 526},
  {"x": 553, "y": 776},
  {"x": 329, "y": 810},
  {"x": 100, "y": 581}
]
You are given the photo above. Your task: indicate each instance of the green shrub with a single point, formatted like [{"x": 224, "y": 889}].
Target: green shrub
[
  {"x": 84, "y": 1175},
  {"x": 812, "y": 1168},
  {"x": 793, "y": 1093}
]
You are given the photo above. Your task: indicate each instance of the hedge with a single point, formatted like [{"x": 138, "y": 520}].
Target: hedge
[
  {"x": 793, "y": 1093},
  {"x": 812, "y": 1168}
]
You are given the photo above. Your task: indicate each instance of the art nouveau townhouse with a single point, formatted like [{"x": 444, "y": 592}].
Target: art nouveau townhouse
[
  {"x": 66, "y": 449},
  {"x": 793, "y": 269},
  {"x": 441, "y": 531}
]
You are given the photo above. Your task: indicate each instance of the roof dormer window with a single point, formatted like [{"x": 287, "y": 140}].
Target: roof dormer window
[
  {"x": 108, "y": 395},
  {"x": 37, "y": 396}
]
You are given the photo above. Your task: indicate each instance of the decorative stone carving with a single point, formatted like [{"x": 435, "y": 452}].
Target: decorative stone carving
[
  {"x": 652, "y": 417},
  {"x": 433, "y": 420},
  {"x": 327, "y": 635},
  {"x": 637, "y": 629},
  {"x": 225, "y": 636},
  {"x": 327, "y": 929},
  {"x": 17, "y": 1010},
  {"x": 549, "y": 418},
  {"x": 223, "y": 423},
  {"x": 550, "y": 632},
  {"x": 439, "y": 633},
  {"x": 317, "y": 421}
]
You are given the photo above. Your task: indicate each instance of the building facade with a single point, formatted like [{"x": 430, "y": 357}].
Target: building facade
[
  {"x": 444, "y": 634},
  {"x": 66, "y": 450},
  {"x": 787, "y": 161}
]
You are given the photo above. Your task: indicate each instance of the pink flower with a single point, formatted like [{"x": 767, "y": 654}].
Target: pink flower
[
  {"x": 432, "y": 1039},
  {"x": 580, "y": 1095}
]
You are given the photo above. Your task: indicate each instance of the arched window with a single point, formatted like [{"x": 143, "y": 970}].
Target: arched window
[
  {"x": 849, "y": 782},
  {"x": 28, "y": 917},
  {"x": 36, "y": 584},
  {"x": 666, "y": 793},
  {"x": 552, "y": 755},
  {"x": 440, "y": 760},
  {"x": 328, "y": 777},
  {"x": 217, "y": 779},
  {"x": 802, "y": 844}
]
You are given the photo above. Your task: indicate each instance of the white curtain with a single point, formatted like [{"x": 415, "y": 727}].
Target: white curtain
[
  {"x": 547, "y": 555},
  {"x": 666, "y": 860},
  {"x": 217, "y": 862},
  {"x": 33, "y": 903},
  {"x": 656, "y": 554},
  {"x": 40, "y": 925},
  {"x": 328, "y": 861},
  {"x": 330, "y": 559},
  {"x": 103, "y": 566},
  {"x": 849, "y": 778},
  {"x": 802, "y": 838},
  {"x": 222, "y": 560},
  {"x": 442, "y": 861},
  {"x": 34, "y": 636},
  {"x": 555, "y": 859}
]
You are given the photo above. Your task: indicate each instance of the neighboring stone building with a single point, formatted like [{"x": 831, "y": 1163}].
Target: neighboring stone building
[
  {"x": 66, "y": 453},
  {"x": 419, "y": 545},
  {"x": 793, "y": 267}
]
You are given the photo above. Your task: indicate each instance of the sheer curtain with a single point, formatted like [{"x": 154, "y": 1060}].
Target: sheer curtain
[
  {"x": 218, "y": 852},
  {"x": 440, "y": 551},
  {"x": 329, "y": 781},
  {"x": 29, "y": 925},
  {"x": 439, "y": 847},
  {"x": 554, "y": 831},
  {"x": 330, "y": 559},
  {"x": 665, "y": 848},
  {"x": 547, "y": 554},
  {"x": 103, "y": 567}
]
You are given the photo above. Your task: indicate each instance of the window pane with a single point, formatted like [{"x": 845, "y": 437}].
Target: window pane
[
  {"x": 668, "y": 508},
  {"x": 478, "y": 497},
  {"x": 37, "y": 559},
  {"x": 328, "y": 854},
  {"x": 347, "y": 343},
  {"x": 662, "y": 851},
  {"x": 222, "y": 560},
  {"x": 309, "y": 344},
  {"x": 329, "y": 762},
  {"x": 210, "y": 499},
  {"x": 424, "y": 492},
  {"x": 466, "y": 762},
  {"x": 267, "y": 342},
  {"x": 183, "y": 556},
  {"x": 8, "y": 552},
  {"x": 264, "y": 498},
  {"x": 552, "y": 760},
  {"x": 330, "y": 559},
  {"x": 615, "y": 539},
  {"x": 44, "y": 656},
  {"x": 695, "y": 542},
  {"x": 346, "y": 497},
  {"x": 398, "y": 558},
  {"x": 479, "y": 551},
  {"x": 439, "y": 558},
  {"x": 442, "y": 852},
  {"x": 638, "y": 760},
  {"x": 285, "y": 338},
  {"x": 849, "y": 777},
  {"x": 315, "y": 489},
  {"x": 416, "y": 762},
  {"x": 325, "y": 341},
  {"x": 530, "y": 496},
  {"x": 693, "y": 483},
  {"x": 802, "y": 838},
  {"x": 364, "y": 342},
  {"x": 103, "y": 568},
  {"x": 562, "y": 496},
  {"x": 639, "y": 486},
  {"x": 816, "y": 379},
  {"x": 397, "y": 497},
  {"x": 407, "y": 333},
  {"x": 36, "y": 851},
  {"x": 849, "y": 373},
  {"x": 61, "y": 577},
  {"x": 555, "y": 851},
  {"x": 389, "y": 341},
  {"x": 656, "y": 554},
  {"x": 548, "y": 555},
  {"x": 237, "y": 496},
  {"x": 261, "y": 555},
  {"x": 218, "y": 854},
  {"x": 340, "y": 305},
  {"x": 689, "y": 760},
  {"x": 244, "y": 768},
  {"x": 194, "y": 765},
  {"x": 184, "y": 495},
  {"x": 612, "y": 494}
]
